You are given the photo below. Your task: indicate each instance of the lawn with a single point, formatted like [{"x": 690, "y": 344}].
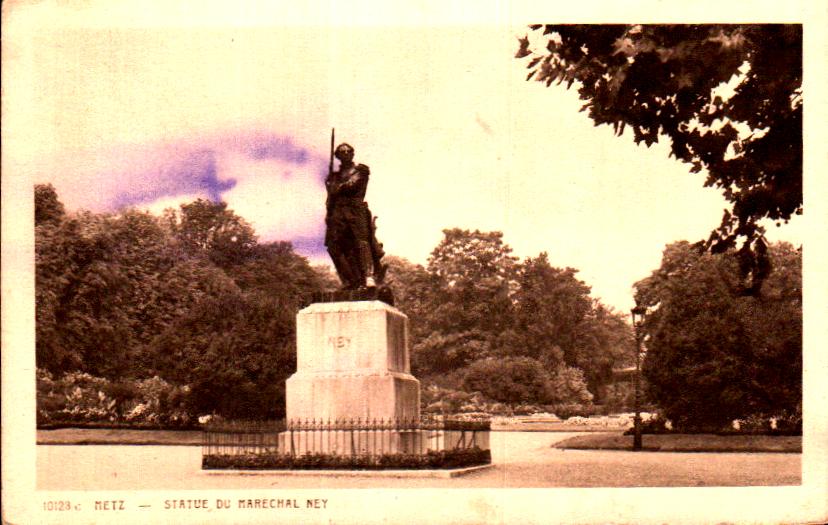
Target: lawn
[
  {"x": 117, "y": 436},
  {"x": 105, "y": 436},
  {"x": 685, "y": 443}
]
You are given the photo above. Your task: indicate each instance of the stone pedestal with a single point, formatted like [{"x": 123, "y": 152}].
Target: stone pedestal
[{"x": 352, "y": 363}]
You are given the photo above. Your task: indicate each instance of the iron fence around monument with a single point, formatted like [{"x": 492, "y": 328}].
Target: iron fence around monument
[
  {"x": 237, "y": 437},
  {"x": 350, "y": 436}
]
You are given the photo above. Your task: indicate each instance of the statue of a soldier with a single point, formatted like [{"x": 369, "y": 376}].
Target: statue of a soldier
[{"x": 350, "y": 235}]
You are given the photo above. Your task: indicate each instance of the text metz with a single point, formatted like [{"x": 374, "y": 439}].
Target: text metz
[{"x": 114, "y": 504}]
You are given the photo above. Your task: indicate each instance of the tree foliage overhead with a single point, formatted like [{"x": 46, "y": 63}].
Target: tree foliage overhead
[{"x": 669, "y": 81}]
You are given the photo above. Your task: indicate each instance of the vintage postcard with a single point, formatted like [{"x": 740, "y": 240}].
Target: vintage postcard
[{"x": 449, "y": 262}]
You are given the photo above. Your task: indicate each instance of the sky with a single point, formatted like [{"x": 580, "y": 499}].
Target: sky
[{"x": 152, "y": 108}]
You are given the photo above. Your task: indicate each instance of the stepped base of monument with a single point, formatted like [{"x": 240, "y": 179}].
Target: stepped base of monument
[{"x": 359, "y": 395}]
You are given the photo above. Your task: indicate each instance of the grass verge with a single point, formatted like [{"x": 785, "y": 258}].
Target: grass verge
[
  {"x": 102, "y": 436},
  {"x": 686, "y": 443}
]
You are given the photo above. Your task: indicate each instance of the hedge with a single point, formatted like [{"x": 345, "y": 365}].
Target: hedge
[{"x": 444, "y": 459}]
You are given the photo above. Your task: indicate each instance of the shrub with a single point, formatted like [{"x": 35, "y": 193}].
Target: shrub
[
  {"x": 790, "y": 421},
  {"x": 438, "y": 400},
  {"x": 50, "y": 399},
  {"x": 567, "y": 384},
  {"x": 76, "y": 396},
  {"x": 787, "y": 423},
  {"x": 80, "y": 398},
  {"x": 567, "y": 410},
  {"x": 165, "y": 404},
  {"x": 516, "y": 380},
  {"x": 526, "y": 382},
  {"x": 657, "y": 424},
  {"x": 122, "y": 391},
  {"x": 231, "y": 394}
]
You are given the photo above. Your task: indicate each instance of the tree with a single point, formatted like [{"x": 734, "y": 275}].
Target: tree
[
  {"x": 476, "y": 272},
  {"x": 551, "y": 307},
  {"x": 472, "y": 278},
  {"x": 235, "y": 351},
  {"x": 79, "y": 287},
  {"x": 162, "y": 280},
  {"x": 557, "y": 322},
  {"x": 209, "y": 229},
  {"x": 567, "y": 384},
  {"x": 410, "y": 283},
  {"x": 106, "y": 285},
  {"x": 276, "y": 270},
  {"x": 713, "y": 354},
  {"x": 327, "y": 276},
  {"x": 130, "y": 295},
  {"x": 416, "y": 292},
  {"x": 667, "y": 81},
  {"x": 476, "y": 301},
  {"x": 47, "y": 206}
]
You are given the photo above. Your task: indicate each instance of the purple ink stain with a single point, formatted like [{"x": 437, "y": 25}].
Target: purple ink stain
[
  {"x": 194, "y": 167},
  {"x": 278, "y": 148},
  {"x": 172, "y": 169},
  {"x": 310, "y": 246},
  {"x": 196, "y": 173}
]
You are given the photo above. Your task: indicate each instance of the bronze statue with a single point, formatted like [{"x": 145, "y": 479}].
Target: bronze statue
[{"x": 351, "y": 228}]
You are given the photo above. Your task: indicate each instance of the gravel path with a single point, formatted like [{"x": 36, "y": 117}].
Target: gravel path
[{"x": 522, "y": 460}]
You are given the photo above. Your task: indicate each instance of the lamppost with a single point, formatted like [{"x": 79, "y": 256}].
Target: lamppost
[{"x": 637, "y": 315}]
